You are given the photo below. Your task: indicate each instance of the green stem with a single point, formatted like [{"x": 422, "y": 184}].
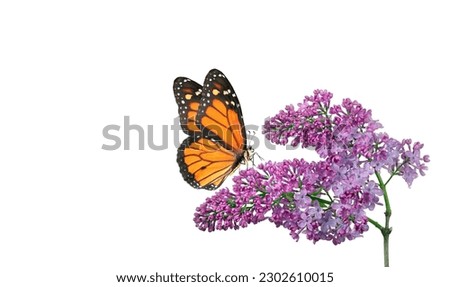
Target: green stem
[
  {"x": 386, "y": 230},
  {"x": 395, "y": 172},
  {"x": 375, "y": 223},
  {"x": 386, "y": 248}
]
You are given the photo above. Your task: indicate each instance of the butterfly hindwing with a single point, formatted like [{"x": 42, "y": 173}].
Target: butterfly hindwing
[
  {"x": 220, "y": 112},
  {"x": 205, "y": 163},
  {"x": 187, "y": 95}
]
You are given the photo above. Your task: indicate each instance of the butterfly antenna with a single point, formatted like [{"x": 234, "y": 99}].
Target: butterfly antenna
[{"x": 260, "y": 157}]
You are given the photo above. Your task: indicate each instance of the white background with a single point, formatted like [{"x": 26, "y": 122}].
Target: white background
[{"x": 72, "y": 214}]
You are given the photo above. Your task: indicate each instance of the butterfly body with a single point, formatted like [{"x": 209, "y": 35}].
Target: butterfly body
[{"x": 212, "y": 118}]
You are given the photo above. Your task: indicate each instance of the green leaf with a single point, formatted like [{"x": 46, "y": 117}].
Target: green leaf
[
  {"x": 231, "y": 202},
  {"x": 289, "y": 196}
]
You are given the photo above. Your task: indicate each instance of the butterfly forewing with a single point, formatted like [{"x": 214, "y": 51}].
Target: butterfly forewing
[
  {"x": 187, "y": 95},
  {"x": 220, "y": 112}
]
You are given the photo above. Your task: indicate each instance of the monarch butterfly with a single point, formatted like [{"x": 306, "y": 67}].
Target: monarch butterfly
[{"x": 212, "y": 118}]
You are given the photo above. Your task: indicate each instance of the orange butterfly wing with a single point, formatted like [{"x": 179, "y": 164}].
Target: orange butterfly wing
[
  {"x": 214, "y": 151},
  {"x": 204, "y": 163},
  {"x": 220, "y": 112},
  {"x": 187, "y": 95}
]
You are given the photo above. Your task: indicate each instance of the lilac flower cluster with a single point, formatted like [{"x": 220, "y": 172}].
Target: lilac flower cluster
[
  {"x": 254, "y": 192},
  {"x": 325, "y": 200}
]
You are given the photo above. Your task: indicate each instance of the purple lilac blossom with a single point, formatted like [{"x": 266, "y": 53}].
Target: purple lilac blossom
[{"x": 325, "y": 200}]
